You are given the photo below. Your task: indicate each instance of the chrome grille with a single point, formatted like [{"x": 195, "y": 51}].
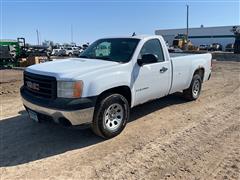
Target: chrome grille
[{"x": 40, "y": 85}]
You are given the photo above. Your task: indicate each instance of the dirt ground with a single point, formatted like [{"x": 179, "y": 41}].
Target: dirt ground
[{"x": 169, "y": 138}]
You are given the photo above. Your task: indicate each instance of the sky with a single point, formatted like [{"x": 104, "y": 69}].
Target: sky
[{"x": 95, "y": 19}]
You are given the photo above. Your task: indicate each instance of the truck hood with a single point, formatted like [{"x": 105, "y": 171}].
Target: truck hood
[{"x": 68, "y": 69}]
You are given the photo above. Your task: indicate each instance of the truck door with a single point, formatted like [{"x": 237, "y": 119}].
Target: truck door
[{"x": 152, "y": 80}]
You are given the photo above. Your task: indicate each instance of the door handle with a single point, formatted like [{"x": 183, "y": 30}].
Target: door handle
[{"x": 164, "y": 69}]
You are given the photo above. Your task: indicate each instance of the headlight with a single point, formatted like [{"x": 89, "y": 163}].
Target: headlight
[{"x": 69, "y": 89}]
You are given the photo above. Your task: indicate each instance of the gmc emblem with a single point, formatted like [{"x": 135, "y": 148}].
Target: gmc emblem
[{"x": 32, "y": 85}]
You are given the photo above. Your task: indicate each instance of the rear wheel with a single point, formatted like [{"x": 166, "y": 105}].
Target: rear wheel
[
  {"x": 110, "y": 116},
  {"x": 193, "y": 92}
]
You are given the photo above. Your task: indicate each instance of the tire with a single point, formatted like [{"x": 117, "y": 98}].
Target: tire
[
  {"x": 193, "y": 92},
  {"x": 111, "y": 115}
]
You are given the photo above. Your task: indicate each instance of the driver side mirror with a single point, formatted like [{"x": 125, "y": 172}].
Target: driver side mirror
[{"x": 147, "y": 59}]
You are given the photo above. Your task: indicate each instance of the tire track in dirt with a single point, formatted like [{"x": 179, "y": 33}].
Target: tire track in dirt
[
  {"x": 209, "y": 133},
  {"x": 171, "y": 139}
]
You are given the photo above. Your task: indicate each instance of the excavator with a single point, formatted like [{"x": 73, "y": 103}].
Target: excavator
[{"x": 180, "y": 41}]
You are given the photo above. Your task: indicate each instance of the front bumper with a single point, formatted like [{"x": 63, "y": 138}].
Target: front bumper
[{"x": 79, "y": 113}]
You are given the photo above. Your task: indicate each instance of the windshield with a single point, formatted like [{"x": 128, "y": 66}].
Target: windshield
[{"x": 113, "y": 49}]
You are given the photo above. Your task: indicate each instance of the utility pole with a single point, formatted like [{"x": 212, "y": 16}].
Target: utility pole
[
  {"x": 37, "y": 37},
  {"x": 187, "y": 24},
  {"x": 40, "y": 38},
  {"x": 71, "y": 33}
]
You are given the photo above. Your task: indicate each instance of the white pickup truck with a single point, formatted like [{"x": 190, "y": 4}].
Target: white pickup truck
[{"x": 100, "y": 88}]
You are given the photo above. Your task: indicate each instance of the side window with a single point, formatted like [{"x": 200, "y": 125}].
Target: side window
[{"x": 153, "y": 46}]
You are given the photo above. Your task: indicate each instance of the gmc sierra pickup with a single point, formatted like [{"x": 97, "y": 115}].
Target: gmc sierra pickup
[{"x": 101, "y": 86}]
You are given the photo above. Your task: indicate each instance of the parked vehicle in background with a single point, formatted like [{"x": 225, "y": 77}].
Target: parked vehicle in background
[
  {"x": 229, "y": 48},
  {"x": 80, "y": 48},
  {"x": 77, "y": 52},
  {"x": 37, "y": 50},
  {"x": 70, "y": 51},
  {"x": 237, "y": 46},
  {"x": 215, "y": 47},
  {"x": 84, "y": 46},
  {"x": 58, "y": 52},
  {"x": 100, "y": 88},
  {"x": 203, "y": 47}
]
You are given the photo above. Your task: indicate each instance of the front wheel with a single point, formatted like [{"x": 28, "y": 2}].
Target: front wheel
[
  {"x": 193, "y": 92},
  {"x": 110, "y": 116}
]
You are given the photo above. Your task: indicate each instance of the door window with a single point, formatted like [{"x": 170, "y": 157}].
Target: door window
[{"x": 153, "y": 46}]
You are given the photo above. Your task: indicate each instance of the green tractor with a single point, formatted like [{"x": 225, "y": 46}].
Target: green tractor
[{"x": 10, "y": 52}]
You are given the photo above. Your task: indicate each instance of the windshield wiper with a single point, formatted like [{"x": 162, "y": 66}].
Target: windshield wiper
[
  {"x": 109, "y": 59},
  {"x": 83, "y": 56},
  {"x": 101, "y": 58},
  {"x": 104, "y": 58}
]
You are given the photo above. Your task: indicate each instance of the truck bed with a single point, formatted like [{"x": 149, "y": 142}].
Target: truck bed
[{"x": 184, "y": 65}]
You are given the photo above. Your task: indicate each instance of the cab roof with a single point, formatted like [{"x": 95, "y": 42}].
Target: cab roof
[{"x": 134, "y": 37}]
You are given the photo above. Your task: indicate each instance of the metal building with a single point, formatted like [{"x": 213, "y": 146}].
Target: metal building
[{"x": 202, "y": 35}]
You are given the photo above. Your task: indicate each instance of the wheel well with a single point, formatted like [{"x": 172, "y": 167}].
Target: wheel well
[
  {"x": 123, "y": 90},
  {"x": 200, "y": 71}
]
